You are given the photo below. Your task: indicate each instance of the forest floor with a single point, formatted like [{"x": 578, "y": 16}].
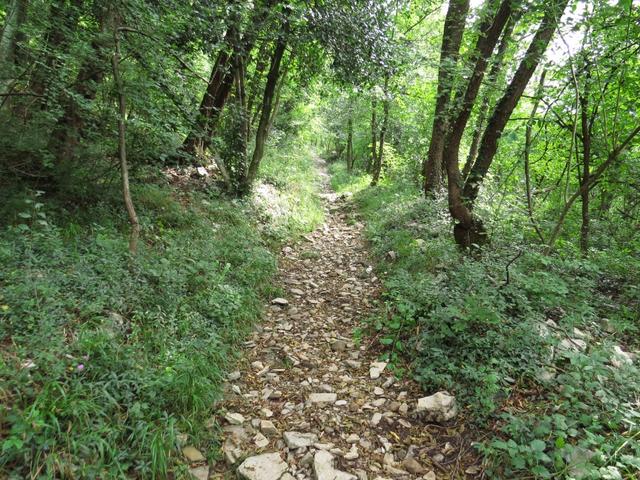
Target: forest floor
[{"x": 310, "y": 398}]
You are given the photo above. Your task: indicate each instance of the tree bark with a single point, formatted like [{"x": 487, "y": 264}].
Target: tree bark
[
  {"x": 374, "y": 135},
  {"x": 451, "y": 39},
  {"x": 267, "y": 105},
  {"x": 16, "y": 14},
  {"x": 585, "y": 127},
  {"x": 377, "y": 166},
  {"x": 489, "y": 34},
  {"x": 350, "y": 143},
  {"x": 492, "y": 78},
  {"x": 122, "y": 149},
  {"x": 470, "y": 229}
]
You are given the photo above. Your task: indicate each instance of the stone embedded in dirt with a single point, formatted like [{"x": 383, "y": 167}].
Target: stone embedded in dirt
[
  {"x": 268, "y": 428},
  {"x": 620, "y": 357},
  {"x": 281, "y": 302},
  {"x": 323, "y": 397},
  {"x": 257, "y": 365},
  {"x": 260, "y": 440},
  {"x": 429, "y": 476},
  {"x": 234, "y": 418},
  {"x": 297, "y": 291},
  {"x": 233, "y": 376},
  {"x": 193, "y": 454},
  {"x": 411, "y": 465},
  {"x": 324, "y": 470},
  {"x": 572, "y": 345},
  {"x": 403, "y": 409},
  {"x": 265, "y": 412},
  {"x": 340, "y": 403},
  {"x": 391, "y": 255},
  {"x": 439, "y": 407},
  {"x": 268, "y": 466},
  {"x": 200, "y": 473},
  {"x": 375, "y": 419},
  {"x": 378, "y": 391},
  {"x": 338, "y": 345},
  {"x": 352, "y": 454},
  {"x": 353, "y": 363},
  {"x": 299, "y": 440},
  {"x": 353, "y": 438},
  {"x": 376, "y": 369},
  {"x": 378, "y": 402}
]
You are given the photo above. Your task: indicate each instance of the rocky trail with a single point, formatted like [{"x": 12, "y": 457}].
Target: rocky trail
[{"x": 308, "y": 401}]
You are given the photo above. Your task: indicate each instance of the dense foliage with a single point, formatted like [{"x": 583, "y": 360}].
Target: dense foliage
[{"x": 511, "y": 124}]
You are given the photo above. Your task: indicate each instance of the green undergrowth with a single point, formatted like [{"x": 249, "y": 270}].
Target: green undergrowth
[
  {"x": 475, "y": 326},
  {"x": 107, "y": 362}
]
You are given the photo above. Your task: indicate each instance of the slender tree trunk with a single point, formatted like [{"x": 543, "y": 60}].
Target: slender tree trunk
[
  {"x": 267, "y": 105},
  {"x": 492, "y": 79},
  {"x": 586, "y": 161},
  {"x": 469, "y": 229},
  {"x": 374, "y": 135},
  {"x": 122, "y": 149},
  {"x": 593, "y": 177},
  {"x": 350, "y": 143},
  {"x": 16, "y": 14},
  {"x": 276, "y": 103},
  {"x": 377, "y": 166},
  {"x": 451, "y": 39},
  {"x": 527, "y": 153}
]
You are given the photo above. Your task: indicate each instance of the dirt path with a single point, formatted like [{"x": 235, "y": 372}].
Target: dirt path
[{"x": 308, "y": 402}]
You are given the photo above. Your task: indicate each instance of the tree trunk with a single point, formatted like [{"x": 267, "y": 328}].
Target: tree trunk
[
  {"x": 451, "y": 39},
  {"x": 487, "y": 40},
  {"x": 377, "y": 166},
  {"x": 593, "y": 177},
  {"x": 267, "y": 105},
  {"x": 122, "y": 149},
  {"x": 586, "y": 161},
  {"x": 461, "y": 203},
  {"x": 349, "y": 143},
  {"x": 16, "y": 14},
  {"x": 212, "y": 102},
  {"x": 374, "y": 135},
  {"x": 68, "y": 131},
  {"x": 492, "y": 79},
  {"x": 527, "y": 153}
]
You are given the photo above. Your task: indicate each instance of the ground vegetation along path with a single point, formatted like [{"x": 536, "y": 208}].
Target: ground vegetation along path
[{"x": 308, "y": 401}]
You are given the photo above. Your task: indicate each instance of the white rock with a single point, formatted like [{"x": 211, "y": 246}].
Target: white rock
[
  {"x": 268, "y": 428},
  {"x": 375, "y": 419},
  {"x": 260, "y": 440},
  {"x": 323, "y": 397},
  {"x": 351, "y": 454},
  {"x": 378, "y": 391},
  {"x": 282, "y": 302},
  {"x": 324, "y": 470},
  {"x": 353, "y": 438},
  {"x": 299, "y": 440},
  {"x": 341, "y": 403},
  {"x": 233, "y": 376},
  {"x": 268, "y": 466},
  {"x": 620, "y": 357},
  {"x": 376, "y": 369},
  {"x": 572, "y": 345},
  {"x": 234, "y": 418},
  {"x": 439, "y": 407},
  {"x": 200, "y": 473},
  {"x": 430, "y": 476}
]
